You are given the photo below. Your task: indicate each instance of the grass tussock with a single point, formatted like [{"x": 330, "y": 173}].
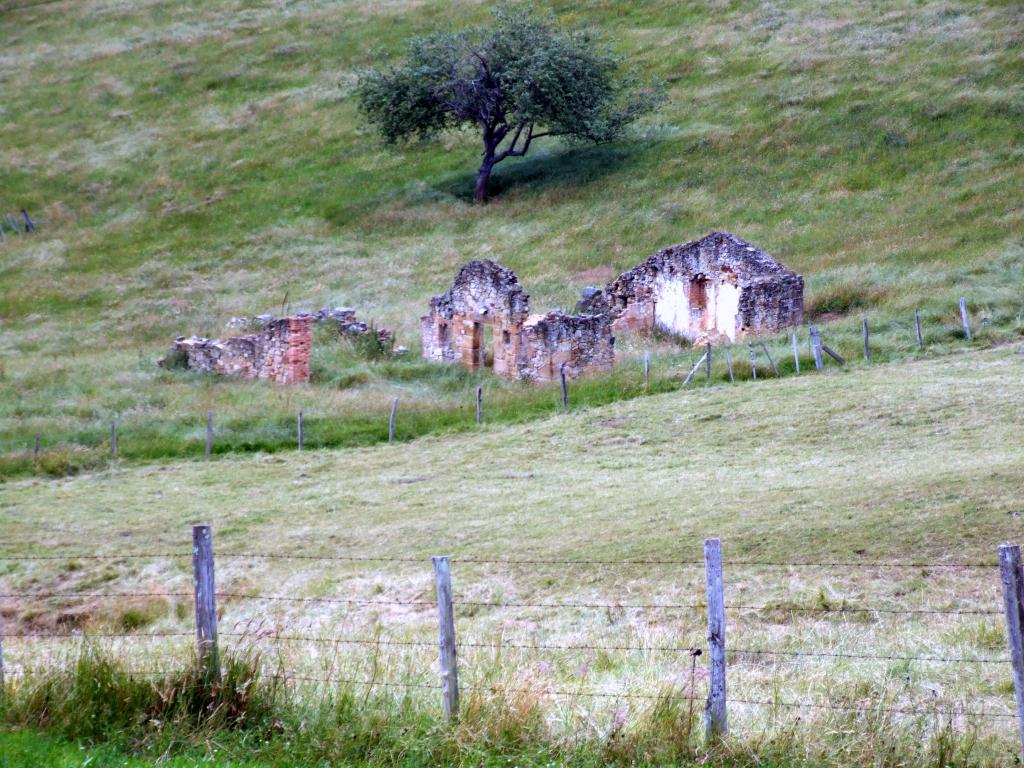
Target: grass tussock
[
  {"x": 97, "y": 696},
  {"x": 254, "y": 715}
]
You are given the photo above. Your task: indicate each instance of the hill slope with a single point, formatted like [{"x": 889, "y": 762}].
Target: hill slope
[{"x": 188, "y": 162}]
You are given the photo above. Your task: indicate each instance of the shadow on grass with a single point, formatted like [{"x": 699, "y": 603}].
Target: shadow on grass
[{"x": 559, "y": 166}]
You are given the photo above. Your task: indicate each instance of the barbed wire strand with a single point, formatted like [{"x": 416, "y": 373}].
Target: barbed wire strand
[
  {"x": 497, "y": 561},
  {"x": 489, "y": 604},
  {"x": 463, "y": 644},
  {"x": 889, "y": 710},
  {"x": 832, "y": 655},
  {"x": 256, "y": 637}
]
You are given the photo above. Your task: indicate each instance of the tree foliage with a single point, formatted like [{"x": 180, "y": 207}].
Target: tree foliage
[{"x": 520, "y": 79}]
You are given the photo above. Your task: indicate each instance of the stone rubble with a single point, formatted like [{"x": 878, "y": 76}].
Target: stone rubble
[{"x": 279, "y": 352}]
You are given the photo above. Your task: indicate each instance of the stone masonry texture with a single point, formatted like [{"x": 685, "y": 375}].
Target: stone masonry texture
[
  {"x": 278, "y": 353},
  {"x": 487, "y": 299},
  {"x": 717, "y": 287}
]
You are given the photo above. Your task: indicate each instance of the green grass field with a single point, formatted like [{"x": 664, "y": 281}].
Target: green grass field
[
  {"x": 189, "y": 162},
  {"x": 909, "y": 462}
]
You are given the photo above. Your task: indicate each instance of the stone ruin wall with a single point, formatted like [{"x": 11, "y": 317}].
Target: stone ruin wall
[
  {"x": 485, "y": 294},
  {"x": 713, "y": 287},
  {"x": 278, "y": 353},
  {"x": 583, "y": 343}
]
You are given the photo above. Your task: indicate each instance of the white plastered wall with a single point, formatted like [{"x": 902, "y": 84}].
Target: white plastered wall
[
  {"x": 671, "y": 298},
  {"x": 727, "y": 308},
  {"x": 672, "y": 305}
]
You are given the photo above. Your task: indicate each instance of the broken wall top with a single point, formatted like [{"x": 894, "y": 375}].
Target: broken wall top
[
  {"x": 483, "y": 290},
  {"x": 716, "y": 255}
]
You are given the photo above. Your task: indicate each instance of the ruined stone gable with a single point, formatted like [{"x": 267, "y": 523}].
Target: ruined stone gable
[
  {"x": 484, "y": 320},
  {"x": 719, "y": 286}
]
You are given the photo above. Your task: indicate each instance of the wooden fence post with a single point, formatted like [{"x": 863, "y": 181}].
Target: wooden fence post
[
  {"x": 917, "y": 327},
  {"x": 832, "y": 353},
  {"x": 209, "y": 433},
  {"x": 1011, "y": 574},
  {"x": 716, "y": 722},
  {"x": 707, "y": 363},
  {"x": 753, "y": 361},
  {"x": 770, "y": 359},
  {"x": 206, "y": 602},
  {"x": 300, "y": 429},
  {"x": 867, "y": 348},
  {"x": 565, "y": 389},
  {"x": 391, "y": 421},
  {"x": 35, "y": 450},
  {"x": 446, "y": 624},
  {"x": 796, "y": 354},
  {"x": 728, "y": 362},
  {"x": 816, "y": 347},
  {"x": 964, "y": 319},
  {"x": 113, "y": 438},
  {"x": 696, "y": 367},
  {"x": 647, "y": 369},
  {"x": 479, "y": 404}
]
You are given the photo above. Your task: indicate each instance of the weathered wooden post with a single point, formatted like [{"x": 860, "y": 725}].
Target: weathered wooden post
[
  {"x": 753, "y": 361},
  {"x": 209, "y": 433},
  {"x": 446, "y": 625},
  {"x": 113, "y": 438},
  {"x": 565, "y": 388},
  {"x": 647, "y": 369},
  {"x": 867, "y": 348},
  {"x": 1011, "y": 574},
  {"x": 696, "y": 367},
  {"x": 479, "y": 404},
  {"x": 831, "y": 353},
  {"x": 816, "y": 347},
  {"x": 206, "y": 602},
  {"x": 391, "y": 421},
  {"x": 35, "y": 450},
  {"x": 299, "y": 425},
  {"x": 707, "y": 363},
  {"x": 964, "y": 319},
  {"x": 1, "y": 656},
  {"x": 796, "y": 354},
  {"x": 728, "y": 362},
  {"x": 716, "y": 722},
  {"x": 770, "y": 359},
  {"x": 917, "y": 327}
]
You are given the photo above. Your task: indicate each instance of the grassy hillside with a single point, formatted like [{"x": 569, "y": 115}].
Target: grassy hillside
[
  {"x": 909, "y": 463},
  {"x": 189, "y": 162}
]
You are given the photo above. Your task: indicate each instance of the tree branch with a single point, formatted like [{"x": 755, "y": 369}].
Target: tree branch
[{"x": 530, "y": 136}]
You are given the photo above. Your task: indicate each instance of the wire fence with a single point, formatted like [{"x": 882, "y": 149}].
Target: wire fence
[
  {"x": 278, "y": 435},
  {"x": 714, "y": 656}
]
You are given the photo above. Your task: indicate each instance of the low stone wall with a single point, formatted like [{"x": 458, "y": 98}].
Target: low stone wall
[
  {"x": 582, "y": 343},
  {"x": 278, "y": 353}
]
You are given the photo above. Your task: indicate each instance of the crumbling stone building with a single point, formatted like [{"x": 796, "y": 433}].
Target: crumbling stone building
[
  {"x": 484, "y": 320},
  {"x": 717, "y": 286},
  {"x": 278, "y": 353}
]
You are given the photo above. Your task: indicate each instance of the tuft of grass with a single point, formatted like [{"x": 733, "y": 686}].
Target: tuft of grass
[{"x": 250, "y": 715}]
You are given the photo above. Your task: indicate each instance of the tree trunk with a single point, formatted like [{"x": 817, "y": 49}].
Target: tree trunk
[{"x": 483, "y": 176}]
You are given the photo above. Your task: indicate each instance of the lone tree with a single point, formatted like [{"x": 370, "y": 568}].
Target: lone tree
[{"x": 521, "y": 79}]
